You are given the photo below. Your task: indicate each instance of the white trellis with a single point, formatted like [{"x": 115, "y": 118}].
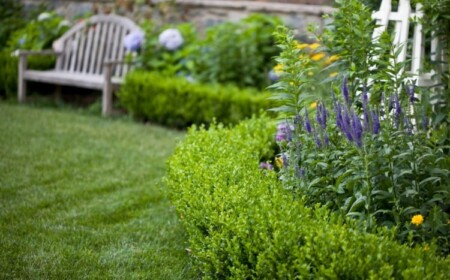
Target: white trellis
[{"x": 402, "y": 18}]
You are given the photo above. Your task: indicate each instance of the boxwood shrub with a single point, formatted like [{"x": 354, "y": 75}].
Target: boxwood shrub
[
  {"x": 243, "y": 225},
  {"x": 174, "y": 101},
  {"x": 9, "y": 70}
]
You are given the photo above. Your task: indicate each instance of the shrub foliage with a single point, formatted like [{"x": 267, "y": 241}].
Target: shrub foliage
[
  {"x": 243, "y": 225},
  {"x": 175, "y": 101}
]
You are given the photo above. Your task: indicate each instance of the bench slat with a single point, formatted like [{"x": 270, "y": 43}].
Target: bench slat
[
  {"x": 80, "y": 54},
  {"x": 90, "y": 35},
  {"x": 118, "y": 37}
]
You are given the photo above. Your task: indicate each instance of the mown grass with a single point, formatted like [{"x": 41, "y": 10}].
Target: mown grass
[{"x": 81, "y": 198}]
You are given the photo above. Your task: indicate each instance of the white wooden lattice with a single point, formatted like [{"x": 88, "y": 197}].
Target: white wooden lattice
[{"x": 402, "y": 18}]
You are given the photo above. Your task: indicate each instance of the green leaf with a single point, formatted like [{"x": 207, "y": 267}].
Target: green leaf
[{"x": 430, "y": 180}]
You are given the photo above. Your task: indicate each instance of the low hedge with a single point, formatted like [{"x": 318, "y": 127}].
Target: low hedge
[
  {"x": 243, "y": 225},
  {"x": 174, "y": 101},
  {"x": 9, "y": 70}
]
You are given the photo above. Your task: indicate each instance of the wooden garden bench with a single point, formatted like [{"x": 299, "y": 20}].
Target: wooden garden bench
[{"x": 89, "y": 55}]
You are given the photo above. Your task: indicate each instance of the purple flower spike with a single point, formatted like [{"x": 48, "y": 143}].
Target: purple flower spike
[
  {"x": 357, "y": 129},
  {"x": 398, "y": 107},
  {"x": 285, "y": 160},
  {"x": 307, "y": 123},
  {"x": 365, "y": 102},
  {"x": 318, "y": 142},
  {"x": 298, "y": 120},
  {"x": 375, "y": 122},
  {"x": 322, "y": 115},
  {"x": 338, "y": 112},
  {"x": 410, "y": 90},
  {"x": 299, "y": 171},
  {"x": 425, "y": 122},
  {"x": 346, "y": 124},
  {"x": 326, "y": 140},
  {"x": 345, "y": 91},
  {"x": 398, "y": 110}
]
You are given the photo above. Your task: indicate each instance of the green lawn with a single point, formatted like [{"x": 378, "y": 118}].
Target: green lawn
[{"x": 81, "y": 198}]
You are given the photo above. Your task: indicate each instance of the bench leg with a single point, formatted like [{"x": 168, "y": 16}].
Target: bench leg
[
  {"x": 22, "y": 84},
  {"x": 107, "y": 92}
]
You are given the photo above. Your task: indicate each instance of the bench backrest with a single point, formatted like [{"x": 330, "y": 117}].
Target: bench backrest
[{"x": 91, "y": 42}]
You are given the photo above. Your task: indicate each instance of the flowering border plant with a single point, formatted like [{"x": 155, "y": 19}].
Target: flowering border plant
[{"x": 368, "y": 152}]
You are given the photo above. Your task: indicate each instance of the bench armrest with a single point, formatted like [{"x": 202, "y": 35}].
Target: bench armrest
[{"x": 31, "y": 52}]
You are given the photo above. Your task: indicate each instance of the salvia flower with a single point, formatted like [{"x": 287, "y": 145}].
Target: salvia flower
[
  {"x": 338, "y": 112},
  {"x": 285, "y": 160},
  {"x": 171, "y": 39},
  {"x": 346, "y": 124},
  {"x": 298, "y": 120},
  {"x": 365, "y": 102},
  {"x": 307, "y": 123},
  {"x": 424, "y": 122},
  {"x": 410, "y": 90},
  {"x": 133, "y": 41},
  {"x": 326, "y": 140},
  {"x": 318, "y": 142},
  {"x": 321, "y": 115},
  {"x": 345, "y": 91},
  {"x": 407, "y": 125},
  {"x": 357, "y": 129},
  {"x": 299, "y": 171},
  {"x": 375, "y": 122},
  {"x": 398, "y": 110}
]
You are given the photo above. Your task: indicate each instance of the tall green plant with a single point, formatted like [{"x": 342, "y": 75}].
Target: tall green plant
[
  {"x": 238, "y": 53},
  {"x": 11, "y": 19}
]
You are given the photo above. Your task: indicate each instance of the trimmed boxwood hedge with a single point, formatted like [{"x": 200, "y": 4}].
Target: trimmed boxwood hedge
[
  {"x": 174, "y": 101},
  {"x": 243, "y": 225}
]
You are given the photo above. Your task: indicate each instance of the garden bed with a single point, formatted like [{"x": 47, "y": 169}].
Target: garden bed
[{"x": 243, "y": 224}]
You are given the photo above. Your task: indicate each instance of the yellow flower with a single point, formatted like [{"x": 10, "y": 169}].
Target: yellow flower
[
  {"x": 334, "y": 74},
  {"x": 279, "y": 162},
  {"x": 426, "y": 247},
  {"x": 417, "y": 220},
  {"x": 313, "y": 105},
  {"x": 314, "y": 46},
  {"x": 331, "y": 59},
  {"x": 301, "y": 46},
  {"x": 318, "y": 56},
  {"x": 278, "y": 68}
]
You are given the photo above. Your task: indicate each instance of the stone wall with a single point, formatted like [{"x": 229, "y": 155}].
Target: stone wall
[{"x": 203, "y": 13}]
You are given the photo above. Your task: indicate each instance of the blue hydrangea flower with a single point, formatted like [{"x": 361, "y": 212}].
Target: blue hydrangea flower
[
  {"x": 133, "y": 41},
  {"x": 171, "y": 39}
]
